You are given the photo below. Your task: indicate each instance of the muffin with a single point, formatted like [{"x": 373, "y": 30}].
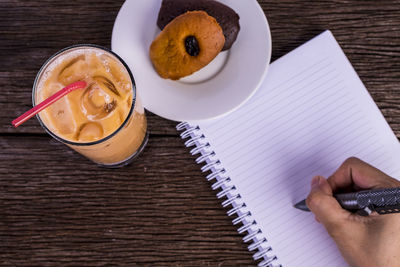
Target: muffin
[{"x": 187, "y": 44}]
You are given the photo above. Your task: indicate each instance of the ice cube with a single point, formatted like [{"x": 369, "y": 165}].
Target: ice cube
[
  {"x": 118, "y": 74},
  {"x": 106, "y": 84},
  {"x": 89, "y": 132},
  {"x": 73, "y": 71},
  {"x": 62, "y": 118},
  {"x": 96, "y": 103}
]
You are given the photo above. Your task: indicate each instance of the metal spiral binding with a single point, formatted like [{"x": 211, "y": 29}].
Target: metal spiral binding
[{"x": 228, "y": 191}]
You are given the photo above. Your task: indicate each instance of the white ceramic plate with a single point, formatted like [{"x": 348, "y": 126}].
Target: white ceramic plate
[{"x": 218, "y": 89}]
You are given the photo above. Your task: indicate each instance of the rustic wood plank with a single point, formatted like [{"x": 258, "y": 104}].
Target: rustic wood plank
[{"x": 58, "y": 208}]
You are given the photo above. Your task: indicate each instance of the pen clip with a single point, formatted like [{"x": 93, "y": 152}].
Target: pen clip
[{"x": 366, "y": 211}]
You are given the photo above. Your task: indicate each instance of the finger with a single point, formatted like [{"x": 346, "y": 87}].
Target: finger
[
  {"x": 325, "y": 207},
  {"x": 357, "y": 173}
]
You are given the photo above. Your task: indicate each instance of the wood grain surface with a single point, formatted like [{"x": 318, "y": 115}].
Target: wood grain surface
[{"x": 59, "y": 209}]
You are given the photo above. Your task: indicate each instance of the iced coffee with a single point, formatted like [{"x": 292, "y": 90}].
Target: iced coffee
[{"x": 104, "y": 121}]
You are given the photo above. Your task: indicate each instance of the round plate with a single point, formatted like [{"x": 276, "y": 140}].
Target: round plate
[{"x": 218, "y": 89}]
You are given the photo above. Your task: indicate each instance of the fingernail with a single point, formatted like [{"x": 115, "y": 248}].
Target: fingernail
[{"x": 315, "y": 181}]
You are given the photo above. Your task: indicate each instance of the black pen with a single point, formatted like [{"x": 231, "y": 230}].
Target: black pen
[{"x": 383, "y": 201}]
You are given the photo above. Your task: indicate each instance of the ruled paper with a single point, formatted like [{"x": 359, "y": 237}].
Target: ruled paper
[{"x": 311, "y": 113}]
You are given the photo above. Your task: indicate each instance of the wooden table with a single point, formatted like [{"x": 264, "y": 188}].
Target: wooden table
[{"x": 57, "y": 208}]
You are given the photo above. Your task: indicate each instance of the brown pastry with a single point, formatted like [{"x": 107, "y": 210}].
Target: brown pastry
[
  {"x": 187, "y": 44},
  {"x": 227, "y": 18}
]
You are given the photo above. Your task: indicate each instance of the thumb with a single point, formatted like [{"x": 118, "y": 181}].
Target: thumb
[{"x": 325, "y": 207}]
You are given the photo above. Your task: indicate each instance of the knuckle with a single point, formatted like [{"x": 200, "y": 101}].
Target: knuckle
[
  {"x": 351, "y": 161},
  {"x": 314, "y": 199}
]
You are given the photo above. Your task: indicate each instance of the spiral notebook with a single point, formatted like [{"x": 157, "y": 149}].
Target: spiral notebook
[{"x": 311, "y": 113}]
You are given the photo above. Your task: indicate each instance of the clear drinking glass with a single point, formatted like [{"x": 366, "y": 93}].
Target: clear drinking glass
[{"x": 120, "y": 146}]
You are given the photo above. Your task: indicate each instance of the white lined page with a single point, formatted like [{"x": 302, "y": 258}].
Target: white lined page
[{"x": 311, "y": 113}]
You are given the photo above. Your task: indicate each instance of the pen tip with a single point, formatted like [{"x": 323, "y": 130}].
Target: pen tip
[{"x": 302, "y": 205}]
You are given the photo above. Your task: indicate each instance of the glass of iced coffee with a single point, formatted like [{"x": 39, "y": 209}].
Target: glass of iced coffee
[{"x": 105, "y": 121}]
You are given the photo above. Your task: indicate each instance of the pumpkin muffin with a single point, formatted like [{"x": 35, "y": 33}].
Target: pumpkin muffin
[{"x": 187, "y": 44}]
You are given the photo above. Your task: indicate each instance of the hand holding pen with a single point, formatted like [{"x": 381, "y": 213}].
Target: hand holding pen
[
  {"x": 382, "y": 201},
  {"x": 363, "y": 241}
]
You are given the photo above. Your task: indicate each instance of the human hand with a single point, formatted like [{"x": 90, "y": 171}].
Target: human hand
[{"x": 363, "y": 241}]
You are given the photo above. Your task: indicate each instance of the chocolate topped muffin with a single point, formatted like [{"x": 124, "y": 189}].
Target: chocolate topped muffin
[
  {"x": 227, "y": 18},
  {"x": 187, "y": 44}
]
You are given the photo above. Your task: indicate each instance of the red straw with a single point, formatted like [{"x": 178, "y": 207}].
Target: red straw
[{"x": 49, "y": 101}]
